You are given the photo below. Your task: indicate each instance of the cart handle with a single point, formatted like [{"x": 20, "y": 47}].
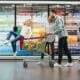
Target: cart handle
[{"x": 38, "y": 37}]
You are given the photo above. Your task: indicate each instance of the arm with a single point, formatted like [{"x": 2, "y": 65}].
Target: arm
[
  {"x": 29, "y": 32},
  {"x": 59, "y": 26}
]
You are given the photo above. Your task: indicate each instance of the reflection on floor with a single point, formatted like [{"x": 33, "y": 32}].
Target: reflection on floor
[{"x": 14, "y": 71}]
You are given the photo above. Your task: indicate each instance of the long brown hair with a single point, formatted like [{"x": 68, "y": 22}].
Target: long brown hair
[{"x": 51, "y": 19}]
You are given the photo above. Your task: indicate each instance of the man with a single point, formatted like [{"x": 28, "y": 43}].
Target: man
[
  {"x": 60, "y": 30},
  {"x": 25, "y": 32}
]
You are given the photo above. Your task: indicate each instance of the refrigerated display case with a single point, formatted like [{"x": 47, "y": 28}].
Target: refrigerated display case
[
  {"x": 71, "y": 15},
  {"x": 38, "y": 13},
  {"x": 6, "y": 25}
]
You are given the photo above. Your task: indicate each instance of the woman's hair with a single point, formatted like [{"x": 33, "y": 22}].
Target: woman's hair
[
  {"x": 51, "y": 19},
  {"x": 53, "y": 11}
]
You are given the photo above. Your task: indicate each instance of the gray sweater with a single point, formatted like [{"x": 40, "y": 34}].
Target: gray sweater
[{"x": 59, "y": 27}]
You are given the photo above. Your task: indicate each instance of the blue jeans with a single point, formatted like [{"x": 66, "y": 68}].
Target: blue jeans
[
  {"x": 52, "y": 50},
  {"x": 63, "y": 46},
  {"x": 13, "y": 42}
]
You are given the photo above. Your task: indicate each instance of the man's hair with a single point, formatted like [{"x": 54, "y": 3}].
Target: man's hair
[{"x": 53, "y": 11}]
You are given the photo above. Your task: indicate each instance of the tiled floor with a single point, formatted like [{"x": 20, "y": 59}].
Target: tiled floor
[{"x": 15, "y": 71}]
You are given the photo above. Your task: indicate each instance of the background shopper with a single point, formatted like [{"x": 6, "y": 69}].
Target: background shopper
[{"x": 25, "y": 32}]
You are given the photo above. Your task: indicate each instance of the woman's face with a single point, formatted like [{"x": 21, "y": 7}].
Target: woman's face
[{"x": 51, "y": 19}]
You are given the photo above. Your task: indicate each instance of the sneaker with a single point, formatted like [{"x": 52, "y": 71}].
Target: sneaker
[
  {"x": 15, "y": 53},
  {"x": 68, "y": 65},
  {"x": 57, "y": 65},
  {"x": 6, "y": 41}
]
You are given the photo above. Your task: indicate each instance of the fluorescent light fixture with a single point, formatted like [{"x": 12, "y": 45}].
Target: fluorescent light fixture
[{"x": 39, "y": 2}]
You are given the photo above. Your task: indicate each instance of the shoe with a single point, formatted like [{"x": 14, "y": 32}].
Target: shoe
[
  {"x": 6, "y": 41},
  {"x": 15, "y": 53},
  {"x": 68, "y": 65},
  {"x": 57, "y": 65}
]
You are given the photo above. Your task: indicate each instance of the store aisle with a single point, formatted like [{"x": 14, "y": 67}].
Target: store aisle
[{"x": 15, "y": 71}]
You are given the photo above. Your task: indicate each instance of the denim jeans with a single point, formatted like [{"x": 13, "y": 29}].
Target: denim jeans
[
  {"x": 52, "y": 50},
  {"x": 63, "y": 46},
  {"x": 13, "y": 42}
]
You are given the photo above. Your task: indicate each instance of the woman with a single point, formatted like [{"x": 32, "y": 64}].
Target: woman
[
  {"x": 25, "y": 32},
  {"x": 50, "y": 36}
]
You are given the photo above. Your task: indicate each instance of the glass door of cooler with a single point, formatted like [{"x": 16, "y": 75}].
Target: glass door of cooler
[
  {"x": 38, "y": 14},
  {"x": 71, "y": 16},
  {"x": 6, "y": 25},
  {"x": 72, "y": 24}
]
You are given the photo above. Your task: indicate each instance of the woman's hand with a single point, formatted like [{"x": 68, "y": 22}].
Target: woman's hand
[{"x": 47, "y": 34}]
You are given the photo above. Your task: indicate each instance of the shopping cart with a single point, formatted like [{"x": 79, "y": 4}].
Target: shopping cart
[{"x": 39, "y": 47}]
